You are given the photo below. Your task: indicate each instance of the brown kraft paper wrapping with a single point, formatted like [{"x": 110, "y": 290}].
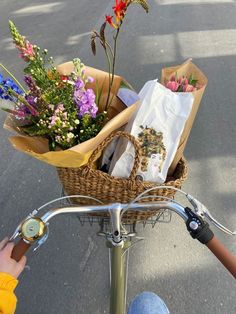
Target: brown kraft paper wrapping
[
  {"x": 185, "y": 69},
  {"x": 78, "y": 155}
]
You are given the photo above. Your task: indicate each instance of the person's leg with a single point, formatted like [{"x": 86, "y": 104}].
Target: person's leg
[{"x": 148, "y": 303}]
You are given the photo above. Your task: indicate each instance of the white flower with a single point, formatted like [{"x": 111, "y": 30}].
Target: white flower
[{"x": 70, "y": 135}]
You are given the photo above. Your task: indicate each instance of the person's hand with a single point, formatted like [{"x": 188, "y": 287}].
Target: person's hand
[{"x": 7, "y": 264}]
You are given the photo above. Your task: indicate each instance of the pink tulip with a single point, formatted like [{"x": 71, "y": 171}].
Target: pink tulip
[
  {"x": 188, "y": 88},
  {"x": 180, "y": 80},
  {"x": 185, "y": 81},
  {"x": 172, "y": 85}
]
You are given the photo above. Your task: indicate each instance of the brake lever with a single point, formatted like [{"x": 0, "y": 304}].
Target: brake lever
[{"x": 201, "y": 210}]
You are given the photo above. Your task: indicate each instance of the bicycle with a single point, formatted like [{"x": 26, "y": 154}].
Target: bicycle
[{"x": 34, "y": 229}]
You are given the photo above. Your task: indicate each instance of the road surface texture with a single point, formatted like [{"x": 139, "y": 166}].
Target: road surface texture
[{"x": 69, "y": 274}]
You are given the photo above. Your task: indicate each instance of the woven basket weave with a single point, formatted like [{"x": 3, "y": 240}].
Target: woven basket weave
[{"x": 91, "y": 182}]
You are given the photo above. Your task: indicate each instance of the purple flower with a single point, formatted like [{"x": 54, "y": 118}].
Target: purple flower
[
  {"x": 90, "y": 79},
  {"x": 31, "y": 99},
  {"x": 28, "y": 111},
  {"x": 94, "y": 110},
  {"x": 85, "y": 101},
  {"x": 79, "y": 84},
  {"x": 90, "y": 96},
  {"x": 30, "y": 82}
]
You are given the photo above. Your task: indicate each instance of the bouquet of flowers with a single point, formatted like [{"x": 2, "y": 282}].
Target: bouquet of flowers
[
  {"x": 182, "y": 84},
  {"x": 58, "y": 107},
  {"x": 185, "y": 78},
  {"x": 63, "y": 110}
]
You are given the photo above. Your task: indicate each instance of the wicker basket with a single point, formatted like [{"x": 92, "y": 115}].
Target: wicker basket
[{"x": 94, "y": 183}]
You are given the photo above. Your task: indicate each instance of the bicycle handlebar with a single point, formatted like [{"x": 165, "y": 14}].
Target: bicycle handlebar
[
  {"x": 20, "y": 248},
  {"x": 192, "y": 220},
  {"x": 223, "y": 255}
]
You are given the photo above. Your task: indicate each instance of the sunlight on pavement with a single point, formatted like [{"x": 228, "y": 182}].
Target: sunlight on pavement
[
  {"x": 219, "y": 181},
  {"x": 163, "y": 252},
  {"x": 196, "y": 44},
  {"x": 168, "y": 2},
  {"x": 7, "y": 44},
  {"x": 60, "y": 59},
  {"x": 172, "y": 265},
  {"x": 74, "y": 40},
  {"x": 43, "y": 8}
]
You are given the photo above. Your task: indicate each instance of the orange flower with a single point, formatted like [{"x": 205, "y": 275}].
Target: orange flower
[
  {"x": 109, "y": 20},
  {"x": 119, "y": 9},
  {"x": 50, "y": 75}
]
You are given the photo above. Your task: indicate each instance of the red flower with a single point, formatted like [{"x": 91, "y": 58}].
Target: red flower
[
  {"x": 64, "y": 78},
  {"x": 120, "y": 8},
  {"x": 109, "y": 20}
]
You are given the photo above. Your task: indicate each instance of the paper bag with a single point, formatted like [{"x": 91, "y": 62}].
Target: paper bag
[
  {"x": 78, "y": 155},
  {"x": 186, "y": 69},
  {"x": 157, "y": 125}
]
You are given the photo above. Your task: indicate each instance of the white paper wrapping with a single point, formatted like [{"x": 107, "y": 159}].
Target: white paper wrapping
[{"x": 157, "y": 125}]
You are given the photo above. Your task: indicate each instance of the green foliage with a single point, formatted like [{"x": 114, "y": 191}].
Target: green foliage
[
  {"x": 91, "y": 127},
  {"x": 99, "y": 92},
  {"x": 192, "y": 81}
]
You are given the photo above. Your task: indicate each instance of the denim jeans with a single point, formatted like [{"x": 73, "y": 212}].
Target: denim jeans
[{"x": 148, "y": 303}]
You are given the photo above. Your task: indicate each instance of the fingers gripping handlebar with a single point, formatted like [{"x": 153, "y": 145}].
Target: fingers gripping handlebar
[
  {"x": 197, "y": 227},
  {"x": 20, "y": 248},
  {"x": 34, "y": 229},
  {"x": 200, "y": 230}
]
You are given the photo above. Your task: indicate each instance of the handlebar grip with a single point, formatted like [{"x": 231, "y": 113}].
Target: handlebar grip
[
  {"x": 223, "y": 255},
  {"x": 20, "y": 248}
]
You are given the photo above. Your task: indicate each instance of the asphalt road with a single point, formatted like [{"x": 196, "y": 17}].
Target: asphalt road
[{"x": 69, "y": 274}]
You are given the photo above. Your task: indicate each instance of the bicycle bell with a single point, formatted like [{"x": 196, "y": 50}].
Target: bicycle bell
[{"x": 32, "y": 229}]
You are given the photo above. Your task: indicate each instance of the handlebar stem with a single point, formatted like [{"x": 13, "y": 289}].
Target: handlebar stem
[{"x": 115, "y": 212}]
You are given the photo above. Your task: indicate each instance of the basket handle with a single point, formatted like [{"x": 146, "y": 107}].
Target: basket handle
[{"x": 107, "y": 141}]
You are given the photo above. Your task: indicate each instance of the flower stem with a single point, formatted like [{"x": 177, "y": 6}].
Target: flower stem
[
  {"x": 12, "y": 76},
  {"x": 115, "y": 50},
  {"x": 109, "y": 82},
  {"x": 113, "y": 66},
  {"x": 110, "y": 49}
]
